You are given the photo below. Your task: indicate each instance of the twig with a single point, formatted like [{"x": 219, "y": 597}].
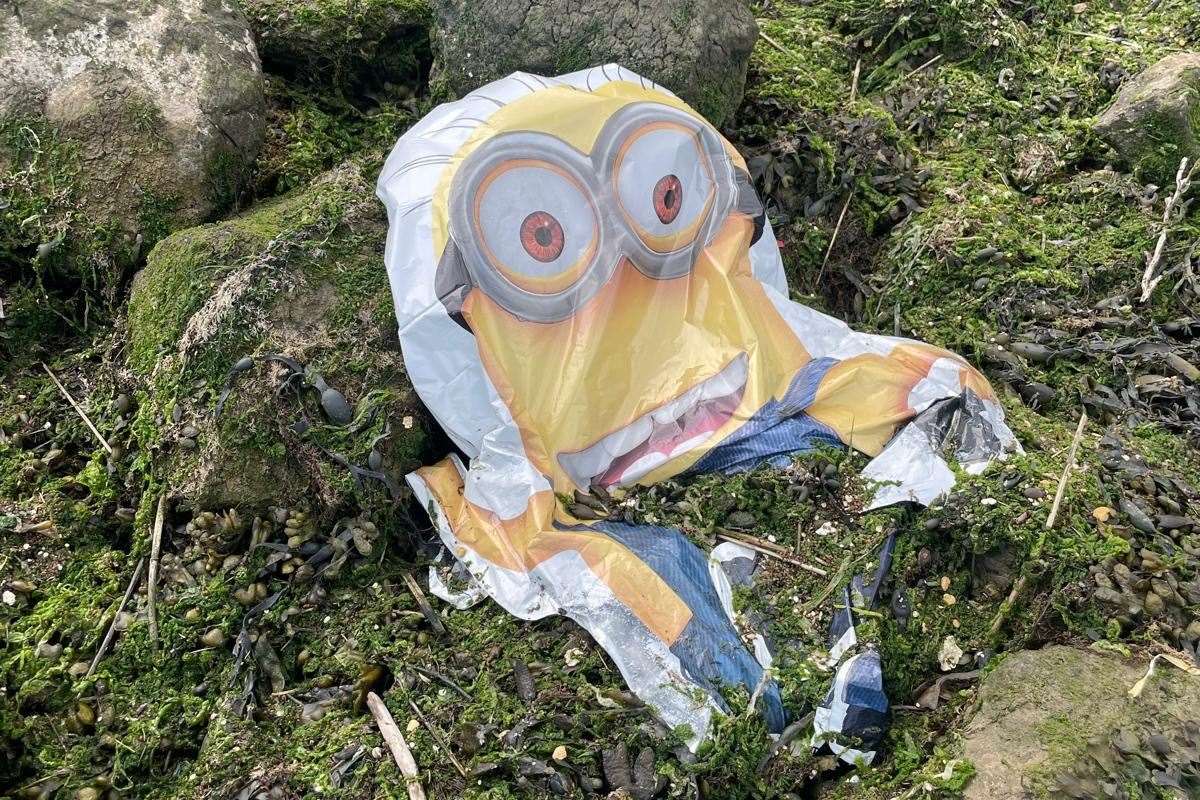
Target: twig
[
  {"x": 836, "y": 230},
  {"x": 769, "y": 549},
  {"x": 112, "y": 625},
  {"x": 152, "y": 586},
  {"x": 443, "y": 679},
  {"x": 78, "y": 410},
  {"x": 776, "y": 44},
  {"x": 928, "y": 63},
  {"x": 423, "y": 603},
  {"x": 1183, "y": 181},
  {"x": 1019, "y": 586},
  {"x": 395, "y": 741},
  {"x": 854, "y": 80},
  {"x": 437, "y": 737},
  {"x": 785, "y": 738},
  {"x": 758, "y": 690},
  {"x": 1062, "y": 481}
]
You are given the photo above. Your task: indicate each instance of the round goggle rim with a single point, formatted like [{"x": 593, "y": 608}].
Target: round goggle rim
[{"x": 615, "y": 239}]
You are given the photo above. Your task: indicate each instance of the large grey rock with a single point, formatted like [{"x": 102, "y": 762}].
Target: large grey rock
[
  {"x": 1154, "y": 121},
  {"x": 301, "y": 276},
  {"x": 161, "y": 101},
  {"x": 345, "y": 45},
  {"x": 698, "y": 49},
  {"x": 1059, "y": 722}
]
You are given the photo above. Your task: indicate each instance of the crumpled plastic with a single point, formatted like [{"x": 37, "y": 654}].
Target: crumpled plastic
[{"x": 588, "y": 294}]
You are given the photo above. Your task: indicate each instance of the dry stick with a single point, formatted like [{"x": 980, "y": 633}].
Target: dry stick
[
  {"x": 1019, "y": 587},
  {"x": 930, "y": 62},
  {"x": 112, "y": 625},
  {"x": 423, "y": 603},
  {"x": 854, "y": 80},
  {"x": 78, "y": 410},
  {"x": 836, "y": 230},
  {"x": 768, "y": 549},
  {"x": 437, "y": 737},
  {"x": 776, "y": 44},
  {"x": 155, "y": 546},
  {"x": 395, "y": 741},
  {"x": 1183, "y": 181}
]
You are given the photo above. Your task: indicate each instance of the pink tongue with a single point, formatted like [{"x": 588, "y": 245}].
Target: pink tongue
[{"x": 704, "y": 418}]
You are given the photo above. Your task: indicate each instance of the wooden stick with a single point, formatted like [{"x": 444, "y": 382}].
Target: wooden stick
[
  {"x": 930, "y": 62},
  {"x": 155, "y": 546},
  {"x": 776, "y": 44},
  {"x": 78, "y": 410},
  {"x": 395, "y": 741},
  {"x": 423, "y": 603},
  {"x": 1019, "y": 586},
  {"x": 836, "y": 230},
  {"x": 112, "y": 625},
  {"x": 437, "y": 737},
  {"x": 774, "y": 551},
  {"x": 854, "y": 80},
  {"x": 1062, "y": 481}
]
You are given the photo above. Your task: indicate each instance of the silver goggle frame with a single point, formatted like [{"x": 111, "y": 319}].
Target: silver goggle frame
[{"x": 466, "y": 262}]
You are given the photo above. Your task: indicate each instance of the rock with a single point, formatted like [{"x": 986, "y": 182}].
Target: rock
[
  {"x": 147, "y": 116},
  {"x": 304, "y": 279},
  {"x": 1039, "y": 710},
  {"x": 345, "y": 45},
  {"x": 1152, "y": 122},
  {"x": 699, "y": 49}
]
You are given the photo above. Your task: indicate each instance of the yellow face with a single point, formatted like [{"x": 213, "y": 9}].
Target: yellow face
[{"x": 602, "y": 263}]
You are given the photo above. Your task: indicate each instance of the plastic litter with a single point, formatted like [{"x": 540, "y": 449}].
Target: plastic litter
[{"x": 589, "y": 294}]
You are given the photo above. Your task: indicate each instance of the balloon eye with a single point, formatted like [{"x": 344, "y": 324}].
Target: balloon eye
[
  {"x": 542, "y": 236},
  {"x": 668, "y": 198}
]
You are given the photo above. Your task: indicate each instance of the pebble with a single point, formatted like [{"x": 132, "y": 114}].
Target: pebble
[
  {"x": 78, "y": 669},
  {"x": 189, "y": 432},
  {"x": 214, "y": 637},
  {"x": 1034, "y": 493},
  {"x": 122, "y": 404},
  {"x": 187, "y": 444},
  {"x": 949, "y": 599}
]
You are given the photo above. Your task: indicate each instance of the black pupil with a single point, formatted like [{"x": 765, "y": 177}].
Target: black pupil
[
  {"x": 669, "y": 198},
  {"x": 542, "y": 235}
]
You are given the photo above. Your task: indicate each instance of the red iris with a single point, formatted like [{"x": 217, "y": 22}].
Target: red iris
[
  {"x": 542, "y": 236},
  {"x": 668, "y": 197}
]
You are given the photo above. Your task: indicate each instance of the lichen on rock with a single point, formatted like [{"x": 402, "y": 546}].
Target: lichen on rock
[
  {"x": 300, "y": 276},
  {"x": 699, "y": 49},
  {"x": 1154, "y": 121},
  {"x": 344, "y": 44}
]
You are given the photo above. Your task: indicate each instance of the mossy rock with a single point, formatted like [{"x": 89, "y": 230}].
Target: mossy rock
[
  {"x": 119, "y": 124},
  {"x": 1060, "y": 721},
  {"x": 699, "y": 49},
  {"x": 1154, "y": 122},
  {"x": 345, "y": 44},
  {"x": 301, "y": 276}
]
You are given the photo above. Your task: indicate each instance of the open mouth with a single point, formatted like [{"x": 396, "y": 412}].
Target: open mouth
[{"x": 665, "y": 433}]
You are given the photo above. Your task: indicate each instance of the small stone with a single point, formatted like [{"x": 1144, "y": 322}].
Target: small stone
[
  {"x": 560, "y": 753},
  {"x": 87, "y": 793},
  {"x": 187, "y": 444},
  {"x": 1154, "y": 604},
  {"x": 1079, "y": 8},
  {"x": 8, "y": 597},
  {"x": 945, "y": 582},
  {"x": 122, "y": 404},
  {"x": 78, "y": 669},
  {"x": 189, "y": 432},
  {"x": 1102, "y": 513},
  {"x": 1193, "y": 630},
  {"x": 412, "y": 726},
  {"x": 192, "y": 615},
  {"x": 1034, "y": 493},
  {"x": 949, "y": 599},
  {"x": 214, "y": 637},
  {"x": 49, "y": 652}
]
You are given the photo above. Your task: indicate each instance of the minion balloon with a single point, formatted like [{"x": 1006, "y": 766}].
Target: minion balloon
[{"x": 589, "y": 293}]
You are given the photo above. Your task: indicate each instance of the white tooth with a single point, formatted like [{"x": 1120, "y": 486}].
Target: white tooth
[
  {"x": 684, "y": 447},
  {"x": 643, "y": 466},
  {"x": 587, "y": 464},
  {"x": 621, "y": 442},
  {"x": 727, "y": 381}
]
